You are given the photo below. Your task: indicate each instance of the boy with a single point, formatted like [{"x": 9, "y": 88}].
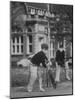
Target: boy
[
  {"x": 35, "y": 68},
  {"x": 69, "y": 61},
  {"x": 60, "y": 57}
]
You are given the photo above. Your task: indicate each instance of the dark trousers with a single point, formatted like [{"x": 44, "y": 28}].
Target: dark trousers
[{"x": 51, "y": 76}]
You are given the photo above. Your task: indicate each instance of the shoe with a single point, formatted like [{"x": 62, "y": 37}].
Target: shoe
[
  {"x": 41, "y": 89},
  {"x": 55, "y": 85},
  {"x": 68, "y": 78},
  {"x": 29, "y": 89},
  {"x": 57, "y": 81}
]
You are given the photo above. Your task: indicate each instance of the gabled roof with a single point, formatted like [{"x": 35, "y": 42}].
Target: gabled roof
[
  {"x": 20, "y": 8},
  {"x": 37, "y": 5},
  {"x": 54, "y": 8}
]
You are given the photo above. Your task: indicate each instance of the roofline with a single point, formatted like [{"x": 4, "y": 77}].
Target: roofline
[{"x": 36, "y": 8}]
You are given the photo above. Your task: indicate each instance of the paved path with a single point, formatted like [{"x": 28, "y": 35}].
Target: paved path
[{"x": 63, "y": 88}]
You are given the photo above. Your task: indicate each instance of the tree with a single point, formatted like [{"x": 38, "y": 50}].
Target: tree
[{"x": 17, "y": 13}]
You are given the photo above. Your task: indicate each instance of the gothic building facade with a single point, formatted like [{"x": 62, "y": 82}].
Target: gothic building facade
[{"x": 29, "y": 29}]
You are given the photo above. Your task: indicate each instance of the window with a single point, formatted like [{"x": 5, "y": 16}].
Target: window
[
  {"x": 46, "y": 30},
  {"x": 41, "y": 28},
  {"x": 32, "y": 16},
  {"x": 40, "y": 12},
  {"x": 52, "y": 49},
  {"x": 32, "y": 11},
  {"x": 17, "y": 45},
  {"x": 29, "y": 44},
  {"x": 30, "y": 38},
  {"x": 29, "y": 29}
]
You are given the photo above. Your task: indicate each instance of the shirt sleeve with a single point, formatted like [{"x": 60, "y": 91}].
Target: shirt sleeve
[
  {"x": 44, "y": 60},
  {"x": 63, "y": 54},
  {"x": 57, "y": 55}
]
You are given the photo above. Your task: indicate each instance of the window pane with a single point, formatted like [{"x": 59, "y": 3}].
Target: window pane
[
  {"x": 13, "y": 49},
  {"x": 17, "y": 48},
  {"x": 17, "y": 39},
  {"x": 30, "y": 38},
  {"x": 53, "y": 52},
  {"x": 13, "y": 40},
  {"x": 21, "y": 39},
  {"x": 30, "y": 48},
  {"x": 53, "y": 44},
  {"x": 50, "y": 44},
  {"x": 32, "y": 16},
  {"x": 29, "y": 30},
  {"x": 22, "y": 48},
  {"x": 50, "y": 52}
]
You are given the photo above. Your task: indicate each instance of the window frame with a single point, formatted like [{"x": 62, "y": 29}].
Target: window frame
[
  {"x": 29, "y": 44},
  {"x": 17, "y": 43},
  {"x": 52, "y": 48}
]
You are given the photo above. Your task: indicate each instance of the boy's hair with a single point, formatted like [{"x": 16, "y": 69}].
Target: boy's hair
[{"x": 44, "y": 46}]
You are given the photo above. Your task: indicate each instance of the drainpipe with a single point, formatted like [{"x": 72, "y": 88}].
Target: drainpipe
[
  {"x": 48, "y": 31},
  {"x": 48, "y": 43}
]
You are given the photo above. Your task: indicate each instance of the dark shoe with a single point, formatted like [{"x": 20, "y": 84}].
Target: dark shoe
[{"x": 55, "y": 85}]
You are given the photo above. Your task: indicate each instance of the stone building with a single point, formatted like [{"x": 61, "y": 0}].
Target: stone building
[{"x": 29, "y": 29}]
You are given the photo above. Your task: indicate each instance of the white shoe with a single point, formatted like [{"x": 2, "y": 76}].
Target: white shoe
[
  {"x": 29, "y": 89},
  {"x": 57, "y": 80},
  {"x": 68, "y": 78},
  {"x": 41, "y": 89}
]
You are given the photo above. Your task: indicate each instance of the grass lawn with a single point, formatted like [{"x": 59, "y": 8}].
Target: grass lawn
[{"x": 20, "y": 77}]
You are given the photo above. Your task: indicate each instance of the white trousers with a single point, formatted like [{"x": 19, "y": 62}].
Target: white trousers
[
  {"x": 58, "y": 70},
  {"x": 34, "y": 72},
  {"x": 67, "y": 70}
]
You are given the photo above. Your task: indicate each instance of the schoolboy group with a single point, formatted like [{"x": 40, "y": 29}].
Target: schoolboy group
[{"x": 41, "y": 60}]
